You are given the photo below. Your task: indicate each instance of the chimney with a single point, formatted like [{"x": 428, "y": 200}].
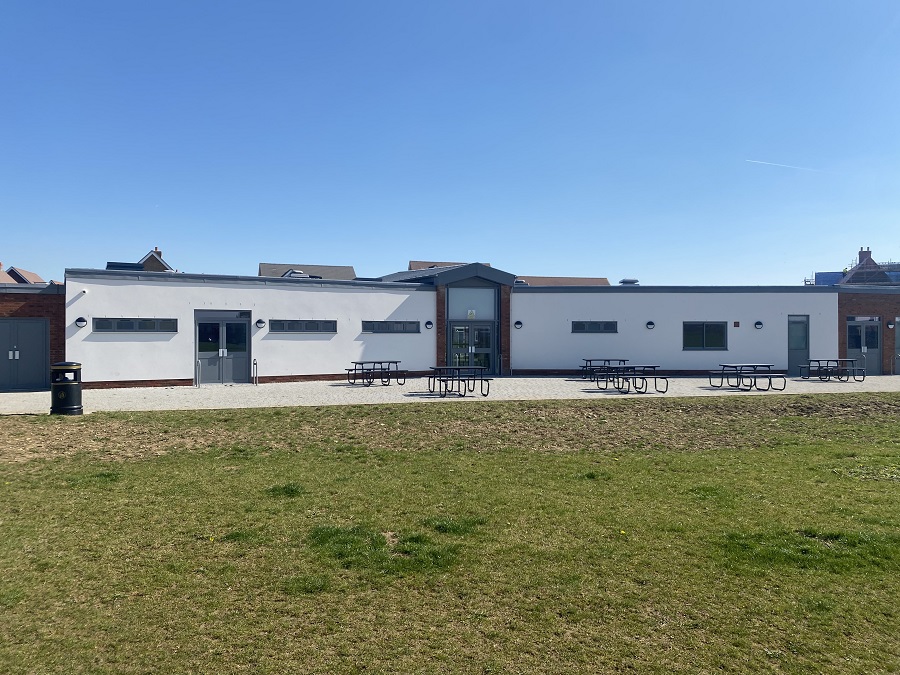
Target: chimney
[
  {"x": 157, "y": 251},
  {"x": 864, "y": 255}
]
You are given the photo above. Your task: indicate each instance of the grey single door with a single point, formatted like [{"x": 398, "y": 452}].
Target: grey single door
[
  {"x": 864, "y": 344},
  {"x": 24, "y": 354},
  {"x": 472, "y": 344},
  {"x": 798, "y": 343},
  {"x": 223, "y": 352}
]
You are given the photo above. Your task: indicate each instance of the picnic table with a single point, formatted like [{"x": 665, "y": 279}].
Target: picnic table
[
  {"x": 587, "y": 368},
  {"x": 839, "y": 369},
  {"x": 458, "y": 379},
  {"x": 365, "y": 372},
  {"x": 747, "y": 376},
  {"x": 624, "y": 376}
]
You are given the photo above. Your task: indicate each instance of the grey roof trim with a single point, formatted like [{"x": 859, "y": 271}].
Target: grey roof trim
[
  {"x": 674, "y": 289},
  {"x": 34, "y": 289},
  {"x": 863, "y": 288},
  {"x": 230, "y": 279},
  {"x": 449, "y": 275}
]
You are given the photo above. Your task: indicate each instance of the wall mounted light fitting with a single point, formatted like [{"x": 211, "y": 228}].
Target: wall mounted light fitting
[
  {"x": 260, "y": 323},
  {"x": 650, "y": 325},
  {"x": 758, "y": 325},
  {"x": 81, "y": 322},
  {"x": 429, "y": 325},
  {"x": 518, "y": 324}
]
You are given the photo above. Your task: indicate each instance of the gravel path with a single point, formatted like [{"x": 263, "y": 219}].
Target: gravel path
[{"x": 341, "y": 393}]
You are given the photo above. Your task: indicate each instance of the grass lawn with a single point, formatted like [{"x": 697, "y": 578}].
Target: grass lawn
[{"x": 732, "y": 534}]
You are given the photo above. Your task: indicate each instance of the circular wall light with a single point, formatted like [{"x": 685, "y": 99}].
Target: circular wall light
[
  {"x": 650, "y": 325},
  {"x": 518, "y": 324},
  {"x": 81, "y": 322},
  {"x": 429, "y": 325},
  {"x": 758, "y": 325},
  {"x": 260, "y": 323}
]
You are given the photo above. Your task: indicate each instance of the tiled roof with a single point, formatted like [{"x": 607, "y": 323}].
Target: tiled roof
[
  {"x": 24, "y": 276},
  {"x": 426, "y": 265},
  {"x": 564, "y": 281},
  {"x": 344, "y": 272}
]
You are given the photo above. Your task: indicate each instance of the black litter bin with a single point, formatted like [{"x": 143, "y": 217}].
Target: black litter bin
[{"x": 65, "y": 388}]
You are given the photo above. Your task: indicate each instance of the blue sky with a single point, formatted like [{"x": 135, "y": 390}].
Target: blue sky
[{"x": 582, "y": 138}]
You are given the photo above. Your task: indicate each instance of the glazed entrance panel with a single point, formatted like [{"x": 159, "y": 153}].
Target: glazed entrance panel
[
  {"x": 864, "y": 342},
  {"x": 472, "y": 338},
  {"x": 223, "y": 350}
]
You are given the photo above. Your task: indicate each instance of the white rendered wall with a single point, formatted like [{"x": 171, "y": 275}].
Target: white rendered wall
[
  {"x": 546, "y": 341},
  {"x": 163, "y": 356}
]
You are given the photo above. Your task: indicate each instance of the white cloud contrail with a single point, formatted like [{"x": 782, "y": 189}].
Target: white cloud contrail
[{"x": 786, "y": 166}]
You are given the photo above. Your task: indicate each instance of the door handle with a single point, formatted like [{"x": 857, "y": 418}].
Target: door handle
[
  {"x": 17, "y": 355},
  {"x": 10, "y": 355},
  {"x": 224, "y": 352}
]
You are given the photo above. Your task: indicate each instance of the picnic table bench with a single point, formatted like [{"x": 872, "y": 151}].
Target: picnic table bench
[
  {"x": 365, "y": 372},
  {"x": 748, "y": 376},
  {"x": 623, "y": 377},
  {"x": 840, "y": 369},
  {"x": 459, "y": 380}
]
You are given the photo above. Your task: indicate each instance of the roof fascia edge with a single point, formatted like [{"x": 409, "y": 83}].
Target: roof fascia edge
[
  {"x": 674, "y": 289},
  {"x": 171, "y": 277}
]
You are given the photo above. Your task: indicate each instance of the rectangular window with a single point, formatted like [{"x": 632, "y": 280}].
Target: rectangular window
[
  {"x": 390, "y": 327},
  {"x": 595, "y": 326},
  {"x": 705, "y": 335},
  {"x": 136, "y": 325},
  {"x": 302, "y": 326}
]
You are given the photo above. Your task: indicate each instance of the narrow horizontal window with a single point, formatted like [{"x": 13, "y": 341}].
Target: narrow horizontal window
[
  {"x": 712, "y": 335},
  {"x": 302, "y": 326},
  {"x": 390, "y": 327},
  {"x": 136, "y": 325},
  {"x": 595, "y": 326}
]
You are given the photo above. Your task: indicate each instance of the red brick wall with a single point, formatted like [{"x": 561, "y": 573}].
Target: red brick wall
[
  {"x": 505, "y": 327},
  {"x": 440, "y": 299},
  {"x": 49, "y": 304},
  {"x": 863, "y": 304}
]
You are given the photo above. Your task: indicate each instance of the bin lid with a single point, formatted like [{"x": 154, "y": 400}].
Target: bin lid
[{"x": 66, "y": 365}]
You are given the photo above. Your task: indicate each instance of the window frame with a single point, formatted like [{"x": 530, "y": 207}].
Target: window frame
[
  {"x": 705, "y": 347},
  {"x": 595, "y": 327},
  {"x": 139, "y": 325},
  {"x": 396, "y": 327},
  {"x": 303, "y": 326}
]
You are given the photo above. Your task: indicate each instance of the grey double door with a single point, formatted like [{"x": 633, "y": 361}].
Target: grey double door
[
  {"x": 864, "y": 344},
  {"x": 473, "y": 344},
  {"x": 24, "y": 354},
  {"x": 223, "y": 351}
]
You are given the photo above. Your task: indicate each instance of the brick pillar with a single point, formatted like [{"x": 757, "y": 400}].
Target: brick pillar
[
  {"x": 504, "y": 327},
  {"x": 440, "y": 313}
]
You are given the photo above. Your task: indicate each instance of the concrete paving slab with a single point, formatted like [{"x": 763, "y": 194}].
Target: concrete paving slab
[{"x": 415, "y": 390}]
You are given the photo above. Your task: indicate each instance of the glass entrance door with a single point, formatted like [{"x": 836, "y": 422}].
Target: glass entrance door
[
  {"x": 472, "y": 344},
  {"x": 223, "y": 352},
  {"x": 864, "y": 343}
]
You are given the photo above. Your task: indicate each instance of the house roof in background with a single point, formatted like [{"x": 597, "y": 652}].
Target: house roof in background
[
  {"x": 153, "y": 261},
  {"x": 333, "y": 272},
  {"x": 21, "y": 276},
  {"x": 425, "y": 265},
  {"x": 563, "y": 281}
]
